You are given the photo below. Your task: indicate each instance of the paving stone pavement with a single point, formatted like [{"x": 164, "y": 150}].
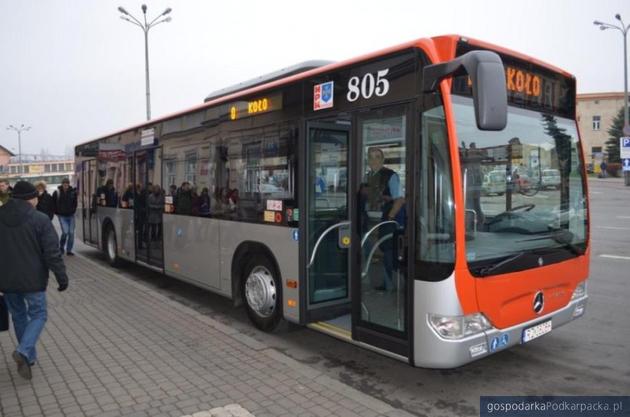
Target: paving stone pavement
[{"x": 113, "y": 347}]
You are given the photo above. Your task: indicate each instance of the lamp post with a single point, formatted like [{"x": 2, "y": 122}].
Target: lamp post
[
  {"x": 19, "y": 131},
  {"x": 145, "y": 28},
  {"x": 624, "y": 31}
]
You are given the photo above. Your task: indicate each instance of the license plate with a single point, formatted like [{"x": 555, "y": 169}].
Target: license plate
[{"x": 536, "y": 331}]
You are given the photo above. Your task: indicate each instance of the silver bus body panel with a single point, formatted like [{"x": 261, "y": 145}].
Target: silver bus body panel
[
  {"x": 280, "y": 242},
  {"x": 191, "y": 250},
  {"x": 433, "y": 351},
  {"x": 125, "y": 234}
]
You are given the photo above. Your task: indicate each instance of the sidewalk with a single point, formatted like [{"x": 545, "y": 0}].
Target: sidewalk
[{"x": 113, "y": 347}]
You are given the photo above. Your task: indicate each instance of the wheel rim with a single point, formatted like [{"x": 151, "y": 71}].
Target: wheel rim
[
  {"x": 111, "y": 246},
  {"x": 260, "y": 291}
]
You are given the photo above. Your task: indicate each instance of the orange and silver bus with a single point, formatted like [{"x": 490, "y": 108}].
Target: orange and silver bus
[{"x": 395, "y": 201}]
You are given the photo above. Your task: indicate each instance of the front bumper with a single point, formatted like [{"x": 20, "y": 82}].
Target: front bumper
[{"x": 437, "y": 352}]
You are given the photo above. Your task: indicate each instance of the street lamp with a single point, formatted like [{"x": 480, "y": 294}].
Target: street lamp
[
  {"x": 19, "y": 131},
  {"x": 145, "y": 28},
  {"x": 624, "y": 31}
]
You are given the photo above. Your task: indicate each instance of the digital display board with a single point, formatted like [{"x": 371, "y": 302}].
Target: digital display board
[
  {"x": 255, "y": 106},
  {"x": 528, "y": 85}
]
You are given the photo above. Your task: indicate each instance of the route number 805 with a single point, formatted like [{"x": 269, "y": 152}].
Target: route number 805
[{"x": 367, "y": 86}]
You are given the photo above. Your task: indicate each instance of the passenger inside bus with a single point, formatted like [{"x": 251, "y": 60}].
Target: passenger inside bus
[
  {"x": 107, "y": 194},
  {"x": 155, "y": 204},
  {"x": 184, "y": 200},
  {"x": 127, "y": 197},
  {"x": 385, "y": 201}
]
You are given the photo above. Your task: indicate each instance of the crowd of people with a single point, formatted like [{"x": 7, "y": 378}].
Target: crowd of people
[
  {"x": 30, "y": 249},
  {"x": 153, "y": 199}
]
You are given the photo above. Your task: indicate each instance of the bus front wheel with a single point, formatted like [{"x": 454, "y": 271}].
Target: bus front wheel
[{"x": 262, "y": 293}]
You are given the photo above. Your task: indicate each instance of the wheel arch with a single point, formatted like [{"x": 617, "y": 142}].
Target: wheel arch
[{"x": 245, "y": 250}]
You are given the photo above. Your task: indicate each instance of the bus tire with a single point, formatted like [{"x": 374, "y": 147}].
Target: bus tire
[
  {"x": 110, "y": 246},
  {"x": 262, "y": 292}
]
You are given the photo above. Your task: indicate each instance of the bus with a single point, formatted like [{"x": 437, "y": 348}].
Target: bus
[{"x": 347, "y": 197}]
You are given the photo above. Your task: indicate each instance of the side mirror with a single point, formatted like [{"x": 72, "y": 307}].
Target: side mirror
[{"x": 487, "y": 75}]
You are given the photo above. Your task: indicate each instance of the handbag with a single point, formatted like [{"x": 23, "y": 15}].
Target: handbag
[{"x": 4, "y": 315}]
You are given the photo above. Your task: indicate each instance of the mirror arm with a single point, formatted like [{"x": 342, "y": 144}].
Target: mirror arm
[{"x": 467, "y": 63}]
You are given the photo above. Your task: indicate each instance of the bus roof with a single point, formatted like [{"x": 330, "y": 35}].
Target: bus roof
[{"x": 442, "y": 46}]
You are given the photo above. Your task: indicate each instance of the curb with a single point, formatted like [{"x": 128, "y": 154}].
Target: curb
[{"x": 368, "y": 401}]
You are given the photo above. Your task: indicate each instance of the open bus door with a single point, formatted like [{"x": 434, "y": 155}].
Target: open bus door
[
  {"x": 89, "y": 201},
  {"x": 328, "y": 227},
  {"x": 357, "y": 241},
  {"x": 148, "y": 208}
]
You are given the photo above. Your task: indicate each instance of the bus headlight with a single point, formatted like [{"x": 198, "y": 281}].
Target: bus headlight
[
  {"x": 580, "y": 291},
  {"x": 458, "y": 327}
]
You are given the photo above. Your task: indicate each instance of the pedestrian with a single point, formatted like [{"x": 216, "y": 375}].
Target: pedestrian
[
  {"x": 45, "y": 202},
  {"x": 65, "y": 203},
  {"x": 5, "y": 191},
  {"x": 603, "y": 167},
  {"x": 29, "y": 251}
]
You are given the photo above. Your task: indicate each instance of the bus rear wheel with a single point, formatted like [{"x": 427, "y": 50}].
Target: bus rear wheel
[{"x": 262, "y": 293}]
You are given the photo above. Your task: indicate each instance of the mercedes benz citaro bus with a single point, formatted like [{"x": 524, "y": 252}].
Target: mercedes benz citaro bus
[{"x": 349, "y": 197}]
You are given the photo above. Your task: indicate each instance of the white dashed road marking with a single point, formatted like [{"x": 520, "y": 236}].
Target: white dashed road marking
[{"x": 625, "y": 258}]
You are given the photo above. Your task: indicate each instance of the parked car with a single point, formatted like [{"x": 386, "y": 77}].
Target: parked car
[
  {"x": 550, "y": 178},
  {"x": 494, "y": 182}
]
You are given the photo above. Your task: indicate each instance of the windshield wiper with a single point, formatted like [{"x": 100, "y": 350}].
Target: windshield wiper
[
  {"x": 485, "y": 271},
  {"x": 565, "y": 237},
  {"x": 562, "y": 236}
]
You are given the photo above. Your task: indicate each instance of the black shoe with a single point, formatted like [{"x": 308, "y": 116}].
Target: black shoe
[
  {"x": 23, "y": 368},
  {"x": 380, "y": 288},
  {"x": 62, "y": 251},
  {"x": 70, "y": 254}
]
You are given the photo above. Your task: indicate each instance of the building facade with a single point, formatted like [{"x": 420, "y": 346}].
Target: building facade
[
  {"x": 34, "y": 168},
  {"x": 595, "y": 114},
  {"x": 5, "y": 158}
]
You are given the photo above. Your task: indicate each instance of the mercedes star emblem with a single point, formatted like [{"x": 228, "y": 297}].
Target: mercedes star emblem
[{"x": 539, "y": 302}]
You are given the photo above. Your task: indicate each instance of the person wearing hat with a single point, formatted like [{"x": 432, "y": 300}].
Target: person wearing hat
[
  {"x": 29, "y": 251},
  {"x": 65, "y": 203}
]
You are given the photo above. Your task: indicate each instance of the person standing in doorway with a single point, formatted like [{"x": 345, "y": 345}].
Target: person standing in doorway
[
  {"x": 29, "y": 251},
  {"x": 384, "y": 193},
  {"x": 65, "y": 201},
  {"x": 155, "y": 203},
  {"x": 45, "y": 202}
]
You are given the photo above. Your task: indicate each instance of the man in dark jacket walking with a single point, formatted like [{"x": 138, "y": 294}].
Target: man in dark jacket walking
[
  {"x": 45, "y": 202},
  {"x": 65, "y": 200},
  {"x": 29, "y": 250}
]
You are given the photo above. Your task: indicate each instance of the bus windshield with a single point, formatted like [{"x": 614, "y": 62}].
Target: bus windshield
[{"x": 523, "y": 187}]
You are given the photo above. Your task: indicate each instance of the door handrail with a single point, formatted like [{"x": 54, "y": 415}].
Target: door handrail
[
  {"x": 376, "y": 227},
  {"x": 369, "y": 258},
  {"x": 319, "y": 240}
]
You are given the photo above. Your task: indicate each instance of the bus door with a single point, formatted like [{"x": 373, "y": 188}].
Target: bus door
[
  {"x": 89, "y": 201},
  {"x": 328, "y": 226},
  {"x": 148, "y": 206},
  {"x": 382, "y": 214}
]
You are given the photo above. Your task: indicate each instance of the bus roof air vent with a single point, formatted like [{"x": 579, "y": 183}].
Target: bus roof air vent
[{"x": 272, "y": 76}]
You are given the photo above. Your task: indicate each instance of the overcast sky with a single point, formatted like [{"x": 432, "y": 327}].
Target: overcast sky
[{"x": 73, "y": 70}]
